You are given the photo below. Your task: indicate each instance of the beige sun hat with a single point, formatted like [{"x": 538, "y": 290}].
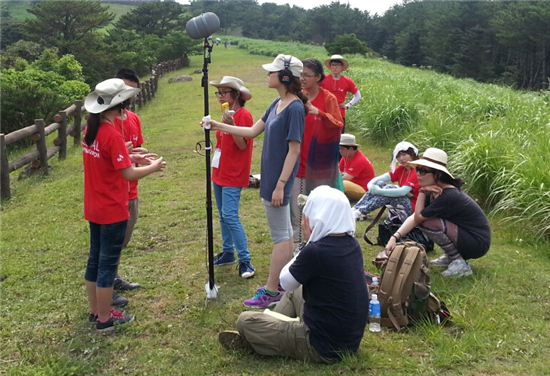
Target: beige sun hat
[
  {"x": 347, "y": 139},
  {"x": 294, "y": 65},
  {"x": 338, "y": 58},
  {"x": 108, "y": 94},
  {"x": 235, "y": 84},
  {"x": 433, "y": 158}
]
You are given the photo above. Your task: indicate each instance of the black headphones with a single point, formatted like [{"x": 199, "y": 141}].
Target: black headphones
[{"x": 285, "y": 75}]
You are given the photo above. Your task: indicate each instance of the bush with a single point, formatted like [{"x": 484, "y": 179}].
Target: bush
[
  {"x": 346, "y": 44},
  {"x": 35, "y": 94}
]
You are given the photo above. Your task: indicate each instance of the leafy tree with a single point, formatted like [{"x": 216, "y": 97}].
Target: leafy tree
[
  {"x": 158, "y": 18},
  {"x": 72, "y": 27},
  {"x": 346, "y": 44},
  {"x": 11, "y": 30}
]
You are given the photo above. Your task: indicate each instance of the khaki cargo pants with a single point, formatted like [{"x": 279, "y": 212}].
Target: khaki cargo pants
[{"x": 274, "y": 337}]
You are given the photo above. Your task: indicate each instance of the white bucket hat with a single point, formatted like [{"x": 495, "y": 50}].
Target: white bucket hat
[
  {"x": 108, "y": 94},
  {"x": 338, "y": 58},
  {"x": 294, "y": 65},
  {"x": 347, "y": 139},
  {"x": 233, "y": 83},
  {"x": 433, "y": 158}
]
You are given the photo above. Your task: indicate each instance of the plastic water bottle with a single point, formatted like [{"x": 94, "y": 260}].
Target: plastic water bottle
[{"x": 374, "y": 314}]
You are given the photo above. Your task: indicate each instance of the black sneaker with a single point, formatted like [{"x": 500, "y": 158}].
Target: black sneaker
[
  {"x": 224, "y": 258},
  {"x": 119, "y": 301},
  {"x": 92, "y": 318},
  {"x": 246, "y": 270},
  {"x": 115, "y": 318},
  {"x": 122, "y": 285}
]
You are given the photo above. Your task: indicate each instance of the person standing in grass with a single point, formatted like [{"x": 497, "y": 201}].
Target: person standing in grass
[
  {"x": 107, "y": 169},
  {"x": 129, "y": 125},
  {"x": 326, "y": 300},
  {"x": 283, "y": 127},
  {"x": 319, "y": 147},
  {"x": 448, "y": 216},
  {"x": 230, "y": 173},
  {"x": 355, "y": 167},
  {"x": 340, "y": 85},
  {"x": 381, "y": 192}
]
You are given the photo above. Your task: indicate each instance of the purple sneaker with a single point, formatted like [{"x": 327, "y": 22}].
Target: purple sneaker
[{"x": 262, "y": 299}]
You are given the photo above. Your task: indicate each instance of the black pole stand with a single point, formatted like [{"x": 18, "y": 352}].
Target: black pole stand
[{"x": 210, "y": 287}]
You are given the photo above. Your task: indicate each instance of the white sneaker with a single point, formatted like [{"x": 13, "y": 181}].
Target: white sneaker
[
  {"x": 442, "y": 261},
  {"x": 358, "y": 215},
  {"x": 457, "y": 268}
]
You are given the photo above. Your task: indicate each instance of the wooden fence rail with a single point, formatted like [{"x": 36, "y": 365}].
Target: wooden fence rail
[{"x": 37, "y": 160}]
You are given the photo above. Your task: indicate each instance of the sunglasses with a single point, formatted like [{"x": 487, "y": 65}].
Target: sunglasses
[
  {"x": 222, "y": 93},
  {"x": 347, "y": 146},
  {"x": 423, "y": 171}
]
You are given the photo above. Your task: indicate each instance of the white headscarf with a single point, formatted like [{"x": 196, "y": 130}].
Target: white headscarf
[
  {"x": 329, "y": 212},
  {"x": 402, "y": 146}
]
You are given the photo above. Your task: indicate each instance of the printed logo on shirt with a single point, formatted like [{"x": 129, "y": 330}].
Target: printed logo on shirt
[
  {"x": 120, "y": 158},
  {"x": 92, "y": 150}
]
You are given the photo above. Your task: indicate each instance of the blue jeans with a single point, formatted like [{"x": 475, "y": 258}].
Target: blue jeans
[
  {"x": 105, "y": 247},
  {"x": 233, "y": 236}
]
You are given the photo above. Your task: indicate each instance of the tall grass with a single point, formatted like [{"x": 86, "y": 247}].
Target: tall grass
[{"x": 497, "y": 139}]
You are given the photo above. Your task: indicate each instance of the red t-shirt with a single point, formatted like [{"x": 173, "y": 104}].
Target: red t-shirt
[
  {"x": 340, "y": 88},
  {"x": 234, "y": 163},
  {"x": 105, "y": 190},
  {"x": 406, "y": 178},
  {"x": 359, "y": 167},
  {"x": 130, "y": 129},
  {"x": 324, "y": 127}
]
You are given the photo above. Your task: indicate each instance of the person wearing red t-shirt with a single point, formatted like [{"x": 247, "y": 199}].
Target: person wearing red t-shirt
[
  {"x": 380, "y": 190},
  {"x": 231, "y": 171},
  {"x": 356, "y": 169},
  {"x": 318, "y": 163},
  {"x": 130, "y": 127},
  {"x": 340, "y": 85},
  {"x": 107, "y": 169}
]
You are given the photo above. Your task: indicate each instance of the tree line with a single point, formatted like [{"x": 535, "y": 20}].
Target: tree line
[{"x": 506, "y": 42}]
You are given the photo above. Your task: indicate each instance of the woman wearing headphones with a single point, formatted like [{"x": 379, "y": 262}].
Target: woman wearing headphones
[{"x": 283, "y": 127}]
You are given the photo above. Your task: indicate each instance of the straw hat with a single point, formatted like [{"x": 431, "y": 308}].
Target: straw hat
[
  {"x": 235, "y": 84},
  {"x": 433, "y": 158},
  {"x": 338, "y": 58},
  {"x": 108, "y": 94},
  {"x": 347, "y": 139},
  {"x": 294, "y": 65}
]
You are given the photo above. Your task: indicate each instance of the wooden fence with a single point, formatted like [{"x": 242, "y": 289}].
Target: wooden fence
[{"x": 37, "y": 160}]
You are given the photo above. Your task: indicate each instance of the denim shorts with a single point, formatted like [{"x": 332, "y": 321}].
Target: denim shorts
[
  {"x": 278, "y": 220},
  {"x": 105, "y": 247}
]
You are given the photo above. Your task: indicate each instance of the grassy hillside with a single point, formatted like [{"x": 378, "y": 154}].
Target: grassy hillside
[
  {"x": 501, "y": 314},
  {"x": 18, "y": 9}
]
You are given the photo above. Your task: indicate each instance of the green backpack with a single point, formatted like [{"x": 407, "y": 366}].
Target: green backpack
[{"x": 404, "y": 291}]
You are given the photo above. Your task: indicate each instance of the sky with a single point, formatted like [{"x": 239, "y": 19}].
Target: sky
[{"x": 372, "y": 6}]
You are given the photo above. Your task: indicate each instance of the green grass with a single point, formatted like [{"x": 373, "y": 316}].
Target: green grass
[{"x": 501, "y": 314}]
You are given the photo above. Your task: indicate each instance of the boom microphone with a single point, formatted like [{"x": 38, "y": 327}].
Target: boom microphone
[{"x": 203, "y": 25}]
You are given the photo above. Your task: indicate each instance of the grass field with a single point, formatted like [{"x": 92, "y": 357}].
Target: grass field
[{"x": 501, "y": 314}]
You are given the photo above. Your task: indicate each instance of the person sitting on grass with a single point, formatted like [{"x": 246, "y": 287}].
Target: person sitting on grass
[
  {"x": 381, "y": 192},
  {"x": 448, "y": 216},
  {"x": 323, "y": 313},
  {"x": 356, "y": 169}
]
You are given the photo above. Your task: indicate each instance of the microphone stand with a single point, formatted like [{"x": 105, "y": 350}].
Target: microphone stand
[{"x": 210, "y": 287}]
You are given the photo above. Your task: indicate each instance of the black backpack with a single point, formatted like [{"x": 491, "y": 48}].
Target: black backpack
[{"x": 386, "y": 229}]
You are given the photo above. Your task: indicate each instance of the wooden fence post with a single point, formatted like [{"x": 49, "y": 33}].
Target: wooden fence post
[
  {"x": 4, "y": 170},
  {"x": 62, "y": 135},
  {"x": 77, "y": 122},
  {"x": 41, "y": 145}
]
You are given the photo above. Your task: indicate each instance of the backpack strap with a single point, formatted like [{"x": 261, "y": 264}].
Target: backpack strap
[
  {"x": 391, "y": 268},
  {"x": 372, "y": 224},
  {"x": 402, "y": 287}
]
